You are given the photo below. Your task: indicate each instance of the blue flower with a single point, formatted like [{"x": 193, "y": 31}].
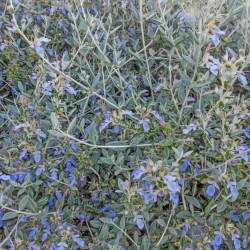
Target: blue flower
[
  {"x": 158, "y": 87},
  {"x": 33, "y": 231},
  {"x": 145, "y": 124},
  {"x": 38, "y": 19},
  {"x": 34, "y": 246},
  {"x": 172, "y": 185},
  {"x": 37, "y": 156},
  {"x": 245, "y": 240},
  {"x": 46, "y": 88},
  {"x": 127, "y": 112},
  {"x": 138, "y": 172},
  {"x": 189, "y": 128},
  {"x": 37, "y": 45},
  {"x": 211, "y": 188},
  {"x": 244, "y": 215},
  {"x": 147, "y": 197},
  {"x": 58, "y": 194},
  {"x": 132, "y": 31},
  {"x": 40, "y": 169},
  {"x": 116, "y": 129},
  {"x": 174, "y": 198},
  {"x": 80, "y": 217},
  {"x": 106, "y": 121},
  {"x": 234, "y": 216},
  {"x": 124, "y": 4},
  {"x": 40, "y": 133},
  {"x": 185, "y": 164},
  {"x": 50, "y": 51},
  {"x": 61, "y": 245},
  {"x": 242, "y": 78},
  {"x": 21, "y": 125},
  {"x": 104, "y": 208},
  {"x": 4, "y": 177},
  {"x": 69, "y": 88},
  {"x": 218, "y": 238},
  {"x": 24, "y": 151},
  {"x": 190, "y": 99},
  {"x": 247, "y": 132},
  {"x": 25, "y": 217},
  {"x": 51, "y": 200},
  {"x": 139, "y": 221},
  {"x": 186, "y": 228},
  {"x": 214, "y": 65},
  {"x": 2, "y": 46},
  {"x": 58, "y": 152},
  {"x": 53, "y": 172},
  {"x": 234, "y": 190},
  {"x": 241, "y": 148},
  {"x": 236, "y": 241},
  {"x": 78, "y": 240},
  {"x": 196, "y": 169},
  {"x": 45, "y": 234},
  {"x": 216, "y": 31},
  {"x": 156, "y": 115},
  {"x": 112, "y": 215}
]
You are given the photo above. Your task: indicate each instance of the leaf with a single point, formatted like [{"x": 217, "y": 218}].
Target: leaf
[
  {"x": 56, "y": 133},
  {"x": 193, "y": 201},
  {"x": 103, "y": 58},
  {"x": 54, "y": 120},
  {"x": 105, "y": 220},
  {"x": 145, "y": 244},
  {"x": 184, "y": 77},
  {"x": 221, "y": 206},
  {"x": 241, "y": 183},
  {"x": 43, "y": 201},
  {"x": 136, "y": 140},
  {"x": 172, "y": 231},
  {"x": 122, "y": 222},
  {"x": 23, "y": 202},
  {"x": 93, "y": 135},
  {"x": 117, "y": 145},
  {"x": 189, "y": 60},
  {"x": 183, "y": 215},
  {"x": 32, "y": 206},
  {"x": 10, "y": 215},
  {"x": 167, "y": 142},
  {"x": 59, "y": 203},
  {"x": 82, "y": 25},
  {"x": 161, "y": 222},
  {"x": 72, "y": 124},
  {"x": 104, "y": 233},
  {"x": 181, "y": 94}
]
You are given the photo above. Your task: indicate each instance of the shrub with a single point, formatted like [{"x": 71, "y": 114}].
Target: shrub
[{"x": 124, "y": 124}]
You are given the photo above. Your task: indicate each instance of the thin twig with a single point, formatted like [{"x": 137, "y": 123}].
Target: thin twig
[
  {"x": 145, "y": 51},
  {"x": 11, "y": 232},
  {"x": 119, "y": 146},
  {"x": 125, "y": 234},
  {"x": 224, "y": 163},
  {"x": 165, "y": 230}
]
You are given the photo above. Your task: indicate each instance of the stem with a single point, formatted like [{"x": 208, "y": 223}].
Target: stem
[
  {"x": 11, "y": 232},
  {"x": 190, "y": 87},
  {"x": 224, "y": 163},
  {"x": 125, "y": 234},
  {"x": 53, "y": 67},
  {"x": 118, "y": 146},
  {"x": 165, "y": 230},
  {"x": 145, "y": 51}
]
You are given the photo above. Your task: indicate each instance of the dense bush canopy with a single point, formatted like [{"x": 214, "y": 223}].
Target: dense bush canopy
[{"x": 124, "y": 124}]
